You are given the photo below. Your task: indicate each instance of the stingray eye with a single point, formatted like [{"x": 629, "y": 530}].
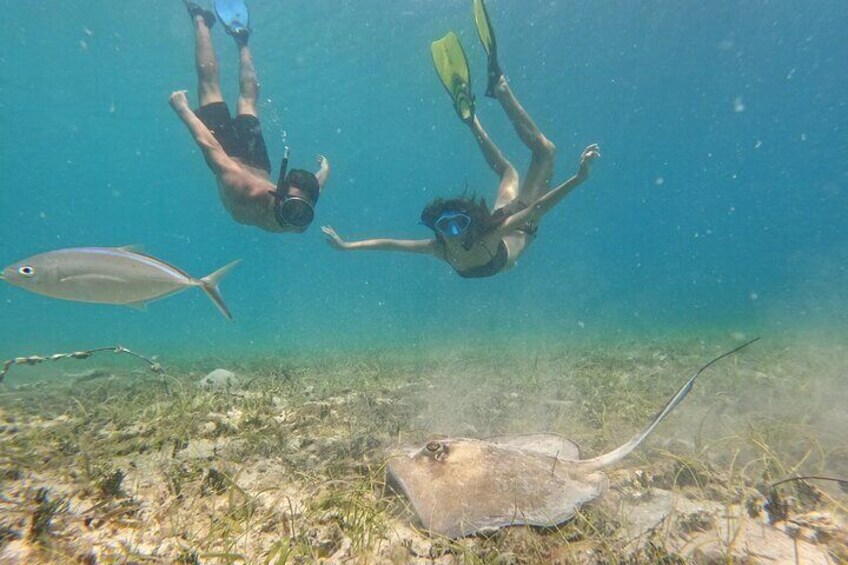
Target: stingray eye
[
  {"x": 437, "y": 450},
  {"x": 26, "y": 271}
]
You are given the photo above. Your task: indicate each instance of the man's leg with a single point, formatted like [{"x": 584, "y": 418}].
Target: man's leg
[
  {"x": 508, "y": 188},
  {"x": 248, "y": 83},
  {"x": 208, "y": 86},
  {"x": 538, "y": 179}
]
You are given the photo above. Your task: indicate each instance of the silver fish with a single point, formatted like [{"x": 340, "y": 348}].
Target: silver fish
[{"x": 109, "y": 275}]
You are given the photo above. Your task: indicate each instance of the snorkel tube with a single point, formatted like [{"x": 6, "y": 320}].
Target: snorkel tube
[{"x": 284, "y": 166}]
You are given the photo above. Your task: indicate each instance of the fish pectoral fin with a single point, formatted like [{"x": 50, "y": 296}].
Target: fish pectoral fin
[{"x": 140, "y": 306}]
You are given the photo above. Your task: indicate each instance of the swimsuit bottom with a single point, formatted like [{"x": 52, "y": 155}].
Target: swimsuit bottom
[
  {"x": 241, "y": 137},
  {"x": 513, "y": 207}
]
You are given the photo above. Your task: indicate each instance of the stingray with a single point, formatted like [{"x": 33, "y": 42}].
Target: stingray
[{"x": 460, "y": 487}]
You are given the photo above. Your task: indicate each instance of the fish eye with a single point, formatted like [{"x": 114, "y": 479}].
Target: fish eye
[
  {"x": 433, "y": 446},
  {"x": 26, "y": 271}
]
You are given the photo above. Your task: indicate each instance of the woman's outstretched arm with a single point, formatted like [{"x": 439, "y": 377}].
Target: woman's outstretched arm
[
  {"x": 422, "y": 246},
  {"x": 544, "y": 204}
]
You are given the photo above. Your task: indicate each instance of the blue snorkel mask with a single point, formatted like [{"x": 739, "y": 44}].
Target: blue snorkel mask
[{"x": 452, "y": 224}]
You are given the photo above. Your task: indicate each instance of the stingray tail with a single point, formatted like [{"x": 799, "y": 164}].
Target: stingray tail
[
  {"x": 209, "y": 284},
  {"x": 620, "y": 453}
]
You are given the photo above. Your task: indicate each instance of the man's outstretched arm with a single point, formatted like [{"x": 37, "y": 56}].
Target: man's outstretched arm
[{"x": 215, "y": 154}]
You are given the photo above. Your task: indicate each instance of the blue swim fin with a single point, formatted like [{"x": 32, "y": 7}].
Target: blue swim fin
[{"x": 234, "y": 17}]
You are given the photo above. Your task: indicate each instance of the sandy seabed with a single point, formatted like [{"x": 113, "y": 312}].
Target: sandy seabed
[{"x": 285, "y": 462}]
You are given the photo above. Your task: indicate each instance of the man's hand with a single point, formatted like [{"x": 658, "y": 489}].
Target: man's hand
[
  {"x": 589, "y": 154},
  {"x": 178, "y": 100},
  {"x": 333, "y": 238},
  {"x": 323, "y": 170}
]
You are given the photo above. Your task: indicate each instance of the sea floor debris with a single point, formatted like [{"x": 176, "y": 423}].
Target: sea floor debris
[
  {"x": 36, "y": 359},
  {"x": 290, "y": 468}
]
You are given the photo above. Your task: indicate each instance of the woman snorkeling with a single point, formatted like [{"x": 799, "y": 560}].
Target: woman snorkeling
[{"x": 475, "y": 241}]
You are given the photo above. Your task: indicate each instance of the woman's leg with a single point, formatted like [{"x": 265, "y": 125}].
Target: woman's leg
[
  {"x": 248, "y": 83},
  {"x": 541, "y": 170},
  {"x": 208, "y": 86},
  {"x": 508, "y": 188}
]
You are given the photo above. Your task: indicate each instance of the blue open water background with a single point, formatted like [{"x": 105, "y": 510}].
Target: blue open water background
[{"x": 720, "y": 202}]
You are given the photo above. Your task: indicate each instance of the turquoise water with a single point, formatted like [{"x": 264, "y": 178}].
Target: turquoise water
[{"x": 720, "y": 202}]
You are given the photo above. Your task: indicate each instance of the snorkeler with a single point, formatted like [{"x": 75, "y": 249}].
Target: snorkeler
[
  {"x": 234, "y": 147},
  {"x": 475, "y": 241}
]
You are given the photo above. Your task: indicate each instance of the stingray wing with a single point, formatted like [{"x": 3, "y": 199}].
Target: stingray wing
[{"x": 466, "y": 486}]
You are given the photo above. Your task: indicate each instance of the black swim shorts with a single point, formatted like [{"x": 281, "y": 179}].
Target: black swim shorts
[{"x": 241, "y": 137}]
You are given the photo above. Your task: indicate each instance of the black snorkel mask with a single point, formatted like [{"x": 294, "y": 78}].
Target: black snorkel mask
[{"x": 294, "y": 209}]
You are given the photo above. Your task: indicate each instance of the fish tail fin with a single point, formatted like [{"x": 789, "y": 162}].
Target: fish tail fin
[{"x": 209, "y": 284}]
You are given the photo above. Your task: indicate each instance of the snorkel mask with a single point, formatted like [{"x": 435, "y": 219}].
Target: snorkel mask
[
  {"x": 294, "y": 208},
  {"x": 452, "y": 224}
]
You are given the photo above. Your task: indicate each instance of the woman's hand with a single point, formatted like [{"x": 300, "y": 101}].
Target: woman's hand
[
  {"x": 589, "y": 154},
  {"x": 333, "y": 238}
]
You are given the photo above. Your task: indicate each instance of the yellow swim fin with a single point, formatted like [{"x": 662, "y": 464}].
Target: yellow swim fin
[
  {"x": 487, "y": 37},
  {"x": 452, "y": 67}
]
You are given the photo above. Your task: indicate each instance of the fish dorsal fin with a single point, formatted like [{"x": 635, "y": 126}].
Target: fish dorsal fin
[{"x": 134, "y": 248}]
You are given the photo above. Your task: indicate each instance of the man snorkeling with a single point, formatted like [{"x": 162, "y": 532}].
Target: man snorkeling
[
  {"x": 234, "y": 147},
  {"x": 475, "y": 241}
]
